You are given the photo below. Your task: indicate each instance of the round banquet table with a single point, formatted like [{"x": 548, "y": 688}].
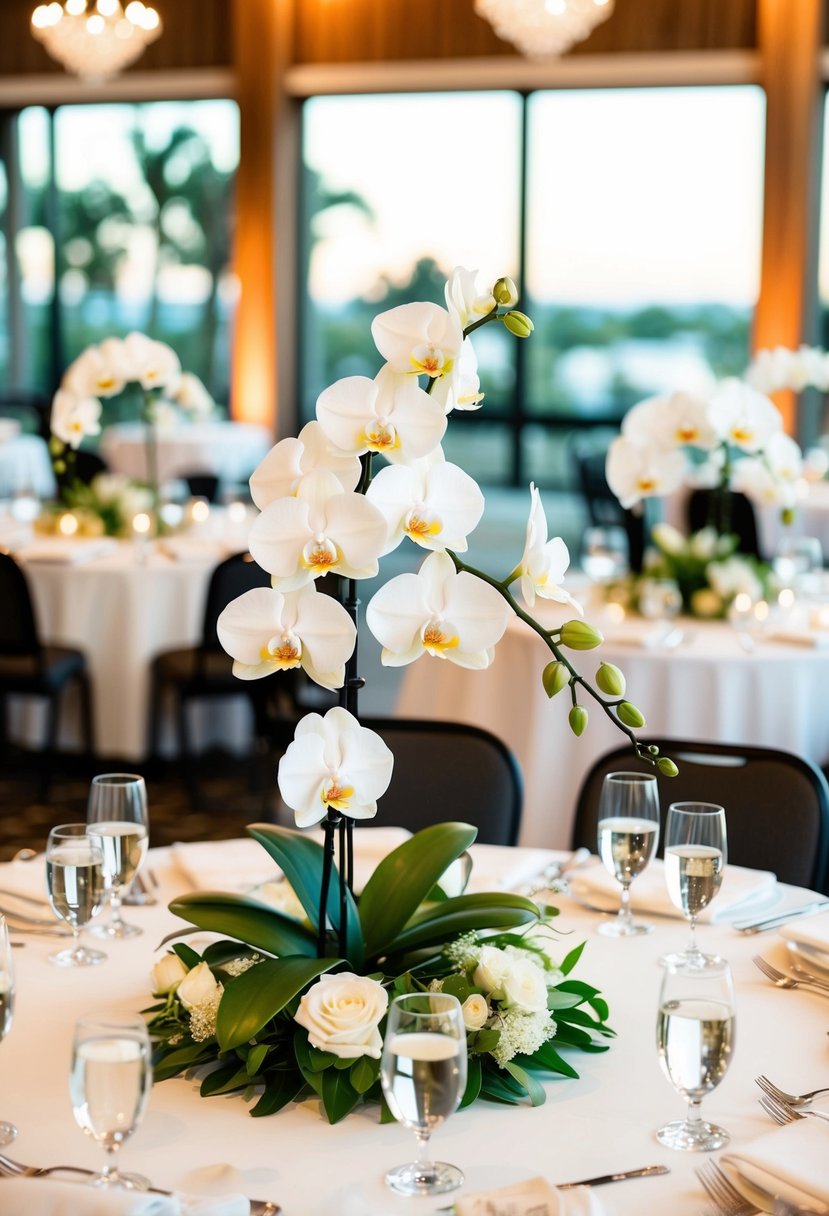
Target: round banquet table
[
  {"x": 26, "y": 467},
  {"x": 601, "y": 1123},
  {"x": 230, "y": 450},
  {"x": 707, "y": 688}
]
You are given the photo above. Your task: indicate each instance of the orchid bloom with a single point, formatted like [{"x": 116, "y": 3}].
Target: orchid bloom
[
  {"x": 390, "y": 414},
  {"x": 73, "y": 418},
  {"x": 460, "y": 388},
  {"x": 544, "y": 562},
  {"x": 280, "y": 473},
  {"x": 322, "y": 528},
  {"x": 743, "y": 417},
  {"x": 420, "y": 339},
  {"x": 635, "y": 471},
  {"x": 438, "y": 612},
  {"x": 671, "y": 421},
  {"x": 265, "y": 631},
  {"x": 771, "y": 370},
  {"x": 153, "y": 364},
  {"x": 776, "y": 478},
  {"x": 189, "y": 392},
  {"x": 463, "y": 300},
  {"x": 334, "y": 762},
  {"x": 98, "y": 372},
  {"x": 434, "y": 503}
]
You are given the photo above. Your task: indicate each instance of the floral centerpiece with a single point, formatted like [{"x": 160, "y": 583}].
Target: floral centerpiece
[
  {"x": 292, "y": 1000},
  {"x": 106, "y": 506}
]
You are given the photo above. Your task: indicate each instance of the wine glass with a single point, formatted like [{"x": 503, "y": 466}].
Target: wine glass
[
  {"x": 628, "y": 836},
  {"x": 695, "y": 1039},
  {"x": 605, "y": 554},
  {"x": 660, "y": 599},
  {"x": 695, "y": 855},
  {"x": 117, "y": 821},
  {"x": 110, "y": 1086},
  {"x": 75, "y": 883},
  {"x": 423, "y": 1075},
  {"x": 7, "y": 1130}
]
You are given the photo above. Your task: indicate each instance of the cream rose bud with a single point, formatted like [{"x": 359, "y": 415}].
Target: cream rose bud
[
  {"x": 475, "y": 1011},
  {"x": 341, "y": 1014},
  {"x": 197, "y": 986},
  {"x": 525, "y": 988},
  {"x": 491, "y": 971},
  {"x": 168, "y": 973}
]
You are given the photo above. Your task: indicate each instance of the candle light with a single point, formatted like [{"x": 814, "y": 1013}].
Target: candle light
[
  {"x": 68, "y": 524},
  {"x": 199, "y": 510},
  {"x": 141, "y": 524},
  {"x": 236, "y": 512}
]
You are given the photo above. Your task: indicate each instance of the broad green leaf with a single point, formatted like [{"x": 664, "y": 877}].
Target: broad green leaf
[
  {"x": 218, "y": 954},
  {"x": 247, "y": 920},
  {"x": 562, "y": 1000},
  {"x": 187, "y": 954},
  {"x": 256, "y": 1058},
  {"x": 253, "y": 998},
  {"x": 549, "y": 1058},
  {"x": 572, "y": 958},
  {"x": 224, "y": 1080},
  {"x": 364, "y": 1072},
  {"x": 501, "y": 1087},
  {"x": 339, "y": 1097},
  {"x": 302, "y": 1054},
  {"x": 473, "y": 1081},
  {"x": 318, "y": 1060},
  {"x": 280, "y": 1088},
  {"x": 405, "y": 877},
  {"x": 457, "y": 985},
  {"x": 571, "y": 1035},
  {"x": 535, "y": 1090},
  {"x": 443, "y": 922}
]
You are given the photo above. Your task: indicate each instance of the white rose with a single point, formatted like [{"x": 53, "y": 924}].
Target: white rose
[
  {"x": 475, "y": 1011},
  {"x": 197, "y": 987},
  {"x": 524, "y": 987},
  {"x": 341, "y": 1014},
  {"x": 168, "y": 973},
  {"x": 492, "y": 969}
]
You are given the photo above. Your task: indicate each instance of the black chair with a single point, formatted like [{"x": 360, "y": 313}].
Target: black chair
[
  {"x": 603, "y": 507},
  {"x": 727, "y": 511},
  {"x": 445, "y": 770},
  {"x": 776, "y": 804},
  {"x": 30, "y": 668},
  {"x": 202, "y": 485},
  {"x": 80, "y": 466}
]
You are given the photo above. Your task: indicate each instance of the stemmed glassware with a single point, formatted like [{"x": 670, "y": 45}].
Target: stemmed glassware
[
  {"x": 695, "y": 855},
  {"x": 628, "y": 836},
  {"x": 110, "y": 1086},
  {"x": 75, "y": 883},
  {"x": 605, "y": 553},
  {"x": 695, "y": 1040},
  {"x": 423, "y": 1075},
  {"x": 118, "y": 822},
  {"x": 7, "y": 1130}
]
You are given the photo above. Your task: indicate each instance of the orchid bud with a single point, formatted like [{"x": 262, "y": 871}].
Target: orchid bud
[
  {"x": 653, "y": 749},
  {"x": 787, "y": 516},
  {"x": 518, "y": 323},
  {"x": 59, "y": 466},
  {"x": 630, "y": 715},
  {"x": 505, "y": 292},
  {"x": 578, "y": 635},
  {"x": 667, "y": 767},
  {"x": 610, "y": 679},
  {"x": 577, "y": 719},
  {"x": 56, "y": 445},
  {"x": 554, "y": 677}
]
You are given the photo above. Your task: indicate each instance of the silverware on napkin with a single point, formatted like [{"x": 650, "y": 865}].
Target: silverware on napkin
[
  {"x": 771, "y": 922},
  {"x": 646, "y": 1171}
]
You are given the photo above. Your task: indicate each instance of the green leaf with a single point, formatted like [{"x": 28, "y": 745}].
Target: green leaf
[
  {"x": 320, "y": 1060},
  {"x": 302, "y": 1053},
  {"x": 473, "y": 1081},
  {"x": 188, "y": 955},
  {"x": 405, "y": 877},
  {"x": 556, "y": 999},
  {"x": 441, "y": 923},
  {"x": 571, "y": 1035},
  {"x": 485, "y": 1040},
  {"x": 534, "y": 1088},
  {"x": 364, "y": 1073},
  {"x": 548, "y": 1057},
  {"x": 247, "y": 920},
  {"x": 218, "y": 954},
  {"x": 280, "y": 1088},
  {"x": 253, "y": 998},
  {"x": 339, "y": 1097},
  {"x": 501, "y": 1087},
  {"x": 256, "y": 1058},
  {"x": 456, "y": 985},
  {"x": 224, "y": 1080},
  {"x": 572, "y": 958}
]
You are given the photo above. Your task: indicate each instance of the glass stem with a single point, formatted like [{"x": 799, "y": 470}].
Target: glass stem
[
  {"x": 694, "y": 1116},
  {"x": 425, "y": 1167},
  {"x": 77, "y": 949},
  {"x": 115, "y": 908},
  {"x": 693, "y": 948},
  {"x": 624, "y": 911}
]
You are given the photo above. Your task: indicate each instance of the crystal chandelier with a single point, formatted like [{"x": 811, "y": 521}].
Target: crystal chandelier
[
  {"x": 544, "y": 27},
  {"x": 95, "y": 38}
]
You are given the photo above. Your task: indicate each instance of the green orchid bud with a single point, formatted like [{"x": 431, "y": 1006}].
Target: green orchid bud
[
  {"x": 518, "y": 323},
  {"x": 59, "y": 466},
  {"x": 56, "y": 445},
  {"x": 630, "y": 715},
  {"x": 554, "y": 677},
  {"x": 667, "y": 767},
  {"x": 577, "y": 719},
  {"x": 578, "y": 635},
  {"x": 653, "y": 749},
  {"x": 505, "y": 292},
  {"x": 787, "y": 516},
  {"x": 610, "y": 679}
]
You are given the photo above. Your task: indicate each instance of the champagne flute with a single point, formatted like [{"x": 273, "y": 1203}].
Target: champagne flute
[
  {"x": 110, "y": 1086},
  {"x": 695, "y": 1040},
  {"x": 628, "y": 836},
  {"x": 117, "y": 821},
  {"x": 423, "y": 1075},
  {"x": 8, "y": 1131},
  {"x": 75, "y": 884},
  {"x": 695, "y": 855}
]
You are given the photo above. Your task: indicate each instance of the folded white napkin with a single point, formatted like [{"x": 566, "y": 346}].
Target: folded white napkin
[
  {"x": 54, "y": 1197},
  {"x": 497, "y": 867},
  {"x": 742, "y": 892},
  {"x": 811, "y": 931},
  {"x": 535, "y": 1197},
  {"x": 58, "y": 552},
  {"x": 789, "y": 1163}
]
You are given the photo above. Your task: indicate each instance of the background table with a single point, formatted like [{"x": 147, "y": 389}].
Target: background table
[
  {"x": 603, "y": 1122},
  {"x": 811, "y": 519},
  {"x": 26, "y": 467},
  {"x": 230, "y": 450}
]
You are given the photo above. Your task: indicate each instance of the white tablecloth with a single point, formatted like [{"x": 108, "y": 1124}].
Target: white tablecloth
[
  {"x": 231, "y": 450},
  {"x": 603, "y": 1122},
  {"x": 811, "y": 519},
  {"x": 708, "y": 688},
  {"x": 25, "y": 467}
]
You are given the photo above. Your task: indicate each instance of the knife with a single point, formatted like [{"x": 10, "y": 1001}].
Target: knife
[
  {"x": 781, "y": 918},
  {"x": 646, "y": 1171}
]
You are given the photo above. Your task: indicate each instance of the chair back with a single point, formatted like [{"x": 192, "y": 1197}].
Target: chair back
[
  {"x": 776, "y": 804},
  {"x": 603, "y": 507},
  {"x": 449, "y": 771},
  {"x": 202, "y": 484},
  {"x": 230, "y": 579},
  {"x": 83, "y": 466},
  {"x": 18, "y": 628},
  {"x": 706, "y": 508}
]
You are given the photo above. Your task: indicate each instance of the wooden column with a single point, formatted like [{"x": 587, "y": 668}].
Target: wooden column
[{"x": 790, "y": 37}]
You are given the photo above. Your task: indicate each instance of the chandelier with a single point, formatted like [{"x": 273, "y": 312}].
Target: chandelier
[
  {"x": 544, "y": 27},
  {"x": 95, "y": 39}
]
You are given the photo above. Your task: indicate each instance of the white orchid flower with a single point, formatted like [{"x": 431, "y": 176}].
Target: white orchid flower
[
  {"x": 773, "y": 479},
  {"x": 635, "y": 471},
  {"x": 784, "y": 457},
  {"x": 73, "y": 418},
  {"x": 334, "y": 762},
  {"x": 463, "y": 299},
  {"x": 460, "y": 388},
  {"x": 420, "y": 338},
  {"x": 670, "y": 422},
  {"x": 733, "y": 576},
  {"x": 544, "y": 562},
  {"x": 390, "y": 414},
  {"x": 98, "y": 372},
  {"x": 153, "y": 364},
  {"x": 265, "y": 631},
  {"x": 434, "y": 503},
  {"x": 321, "y": 528},
  {"x": 164, "y": 415},
  {"x": 772, "y": 370},
  {"x": 190, "y": 393},
  {"x": 743, "y": 417},
  {"x": 281, "y": 472},
  {"x": 438, "y": 612}
]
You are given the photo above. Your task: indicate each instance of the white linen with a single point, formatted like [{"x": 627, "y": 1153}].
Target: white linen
[
  {"x": 60, "y": 551},
  {"x": 789, "y": 1163},
  {"x": 535, "y": 1197},
  {"x": 742, "y": 892},
  {"x": 811, "y": 931},
  {"x": 811, "y": 519},
  {"x": 26, "y": 467},
  {"x": 230, "y": 450},
  {"x": 811, "y": 638},
  {"x": 53, "y": 1197}
]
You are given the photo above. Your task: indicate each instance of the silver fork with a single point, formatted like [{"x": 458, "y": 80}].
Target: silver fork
[
  {"x": 774, "y": 1091},
  {"x": 781, "y": 980},
  {"x": 725, "y": 1196},
  {"x": 782, "y": 1113}
]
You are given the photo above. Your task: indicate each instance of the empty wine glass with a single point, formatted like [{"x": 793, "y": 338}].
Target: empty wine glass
[
  {"x": 423, "y": 1075},
  {"x": 695, "y": 1040},
  {"x": 796, "y": 558},
  {"x": 660, "y": 599},
  {"x": 628, "y": 836},
  {"x": 117, "y": 821},
  {"x": 75, "y": 883},
  {"x": 605, "y": 553},
  {"x": 110, "y": 1086},
  {"x": 695, "y": 855},
  {"x": 7, "y": 1130}
]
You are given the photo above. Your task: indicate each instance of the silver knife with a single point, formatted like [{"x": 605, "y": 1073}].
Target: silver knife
[
  {"x": 781, "y": 918},
  {"x": 646, "y": 1171}
]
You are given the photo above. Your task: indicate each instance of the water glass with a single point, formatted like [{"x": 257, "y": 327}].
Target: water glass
[
  {"x": 8, "y": 1131},
  {"x": 797, "y": 557},
  {"x": 423, "y": 1075},
  {"x": 659, "y": 599},
  {"x": 696, "y": 852},
  {"x": 605, "y": 554},
  {"x": 628, "y": 836},
  {"x": 117, "y": 821},
  {"x": 76, "y": 888}
]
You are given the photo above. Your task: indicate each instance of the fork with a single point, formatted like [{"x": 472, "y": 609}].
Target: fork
[
  {"x": 725, "y": 1196},
  {"x": 782, "y": 1113},
  {"x": 773, "y": 1091},
  {"x": 781, "y": 980}
]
